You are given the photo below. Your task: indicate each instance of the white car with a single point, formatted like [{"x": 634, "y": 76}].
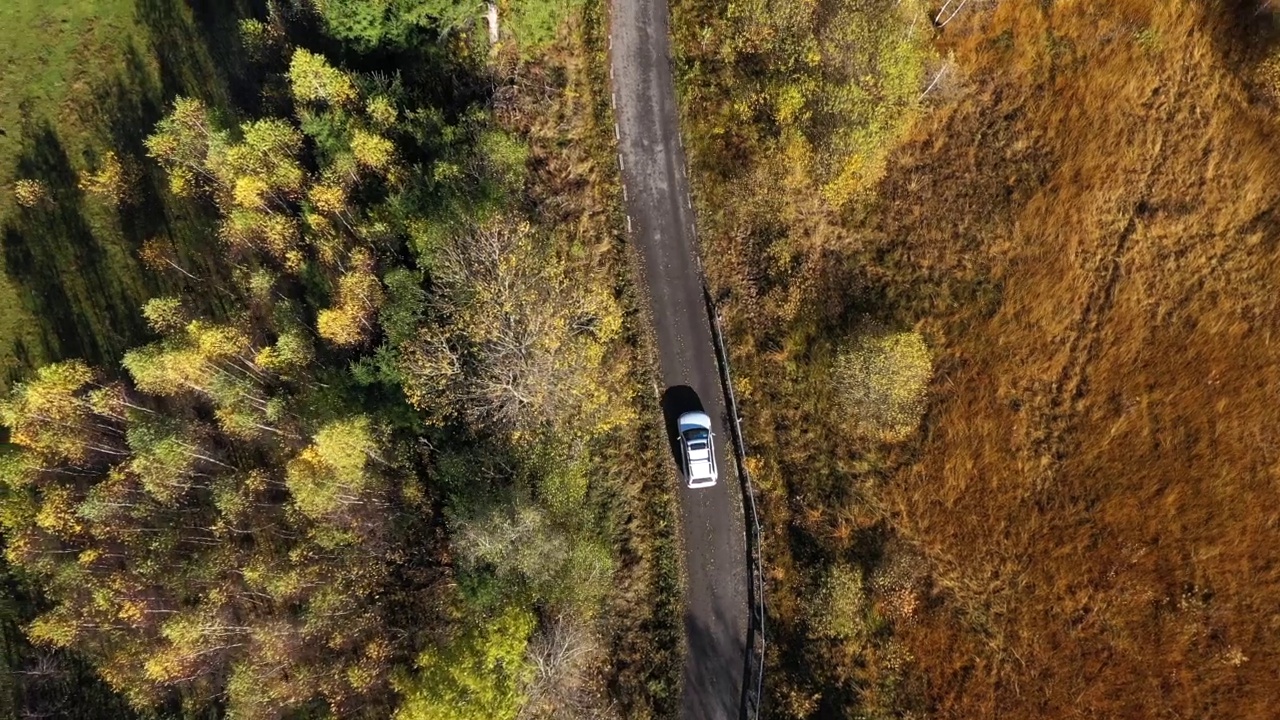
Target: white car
[{"x": 697, "y": 449}]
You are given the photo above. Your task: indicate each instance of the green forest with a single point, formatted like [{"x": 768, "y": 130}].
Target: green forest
[{"x": 320, "y": 352}]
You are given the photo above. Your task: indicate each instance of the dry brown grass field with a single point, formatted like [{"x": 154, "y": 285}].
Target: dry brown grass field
[
  {"x": 1083, "y": 225},
  {"x": 1097, "y": 492}
]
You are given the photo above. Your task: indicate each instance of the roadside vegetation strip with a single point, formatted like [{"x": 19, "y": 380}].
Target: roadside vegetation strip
[
  {"x": 791, "y": 114},
  {"x": 753, "y": 688},
  {"x": 649, "y": 663},
  {"x": 717, "y": 621},
  {"x": 648, "y": 650}
]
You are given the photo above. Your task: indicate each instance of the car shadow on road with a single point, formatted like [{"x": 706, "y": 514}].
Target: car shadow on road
[{"x": 676, "y": 401}]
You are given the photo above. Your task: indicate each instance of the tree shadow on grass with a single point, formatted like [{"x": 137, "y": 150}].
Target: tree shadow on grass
[
  {"x": 127, "y": 109},
  {"x": 1248, "y": 31},
  {"x": 62, "y": 265},
  {"x": 201, "y": 55},
  {"x": 75, "y": 258}
]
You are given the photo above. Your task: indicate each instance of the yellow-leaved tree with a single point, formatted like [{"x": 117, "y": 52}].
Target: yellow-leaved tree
[
  {"x": 313, "y": 80},
  {"x": 332, "y": 479},
  {"x": 352, "y": 319}
]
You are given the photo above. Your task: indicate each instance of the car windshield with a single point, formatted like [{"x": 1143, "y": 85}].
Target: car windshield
[{"x": 696, "y": 435}]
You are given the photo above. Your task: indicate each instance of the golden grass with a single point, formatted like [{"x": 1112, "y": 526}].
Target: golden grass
[
  {"x": 1083, "y": 227},
  {"x": 883, "y": 378},
  {"x": 1097, "y": 491}
]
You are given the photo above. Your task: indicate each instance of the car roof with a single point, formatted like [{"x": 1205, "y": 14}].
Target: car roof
[{"x": 702, "y": 469}]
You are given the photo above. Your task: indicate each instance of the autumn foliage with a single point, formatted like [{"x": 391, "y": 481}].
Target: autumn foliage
[
  {"x": 365, "y": 459},
  {"x": 1079, "y": 227},
  {"x": 170, "y": 550}
]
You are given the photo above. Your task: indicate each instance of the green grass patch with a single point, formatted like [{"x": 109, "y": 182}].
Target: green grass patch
[
  {"x": 534, "y": 22},
  {"x": 79, "y": 79}
]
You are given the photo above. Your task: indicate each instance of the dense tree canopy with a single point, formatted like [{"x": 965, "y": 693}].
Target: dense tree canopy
[
  {"x": 357, "y": 478},
  {"x": 475, "y": 676},
  {"x": 177, "y": 555}
]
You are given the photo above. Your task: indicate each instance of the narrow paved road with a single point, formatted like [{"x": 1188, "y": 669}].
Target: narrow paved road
[{"x": 653, "y": 172}]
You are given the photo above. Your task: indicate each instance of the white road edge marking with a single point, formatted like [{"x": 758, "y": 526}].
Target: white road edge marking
[
  {"x": 628, "y": 222},
  {"x": 619, "y": 162}
]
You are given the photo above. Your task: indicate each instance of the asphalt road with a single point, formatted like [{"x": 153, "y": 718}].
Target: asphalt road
[{"x": 653, "y": 172}]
